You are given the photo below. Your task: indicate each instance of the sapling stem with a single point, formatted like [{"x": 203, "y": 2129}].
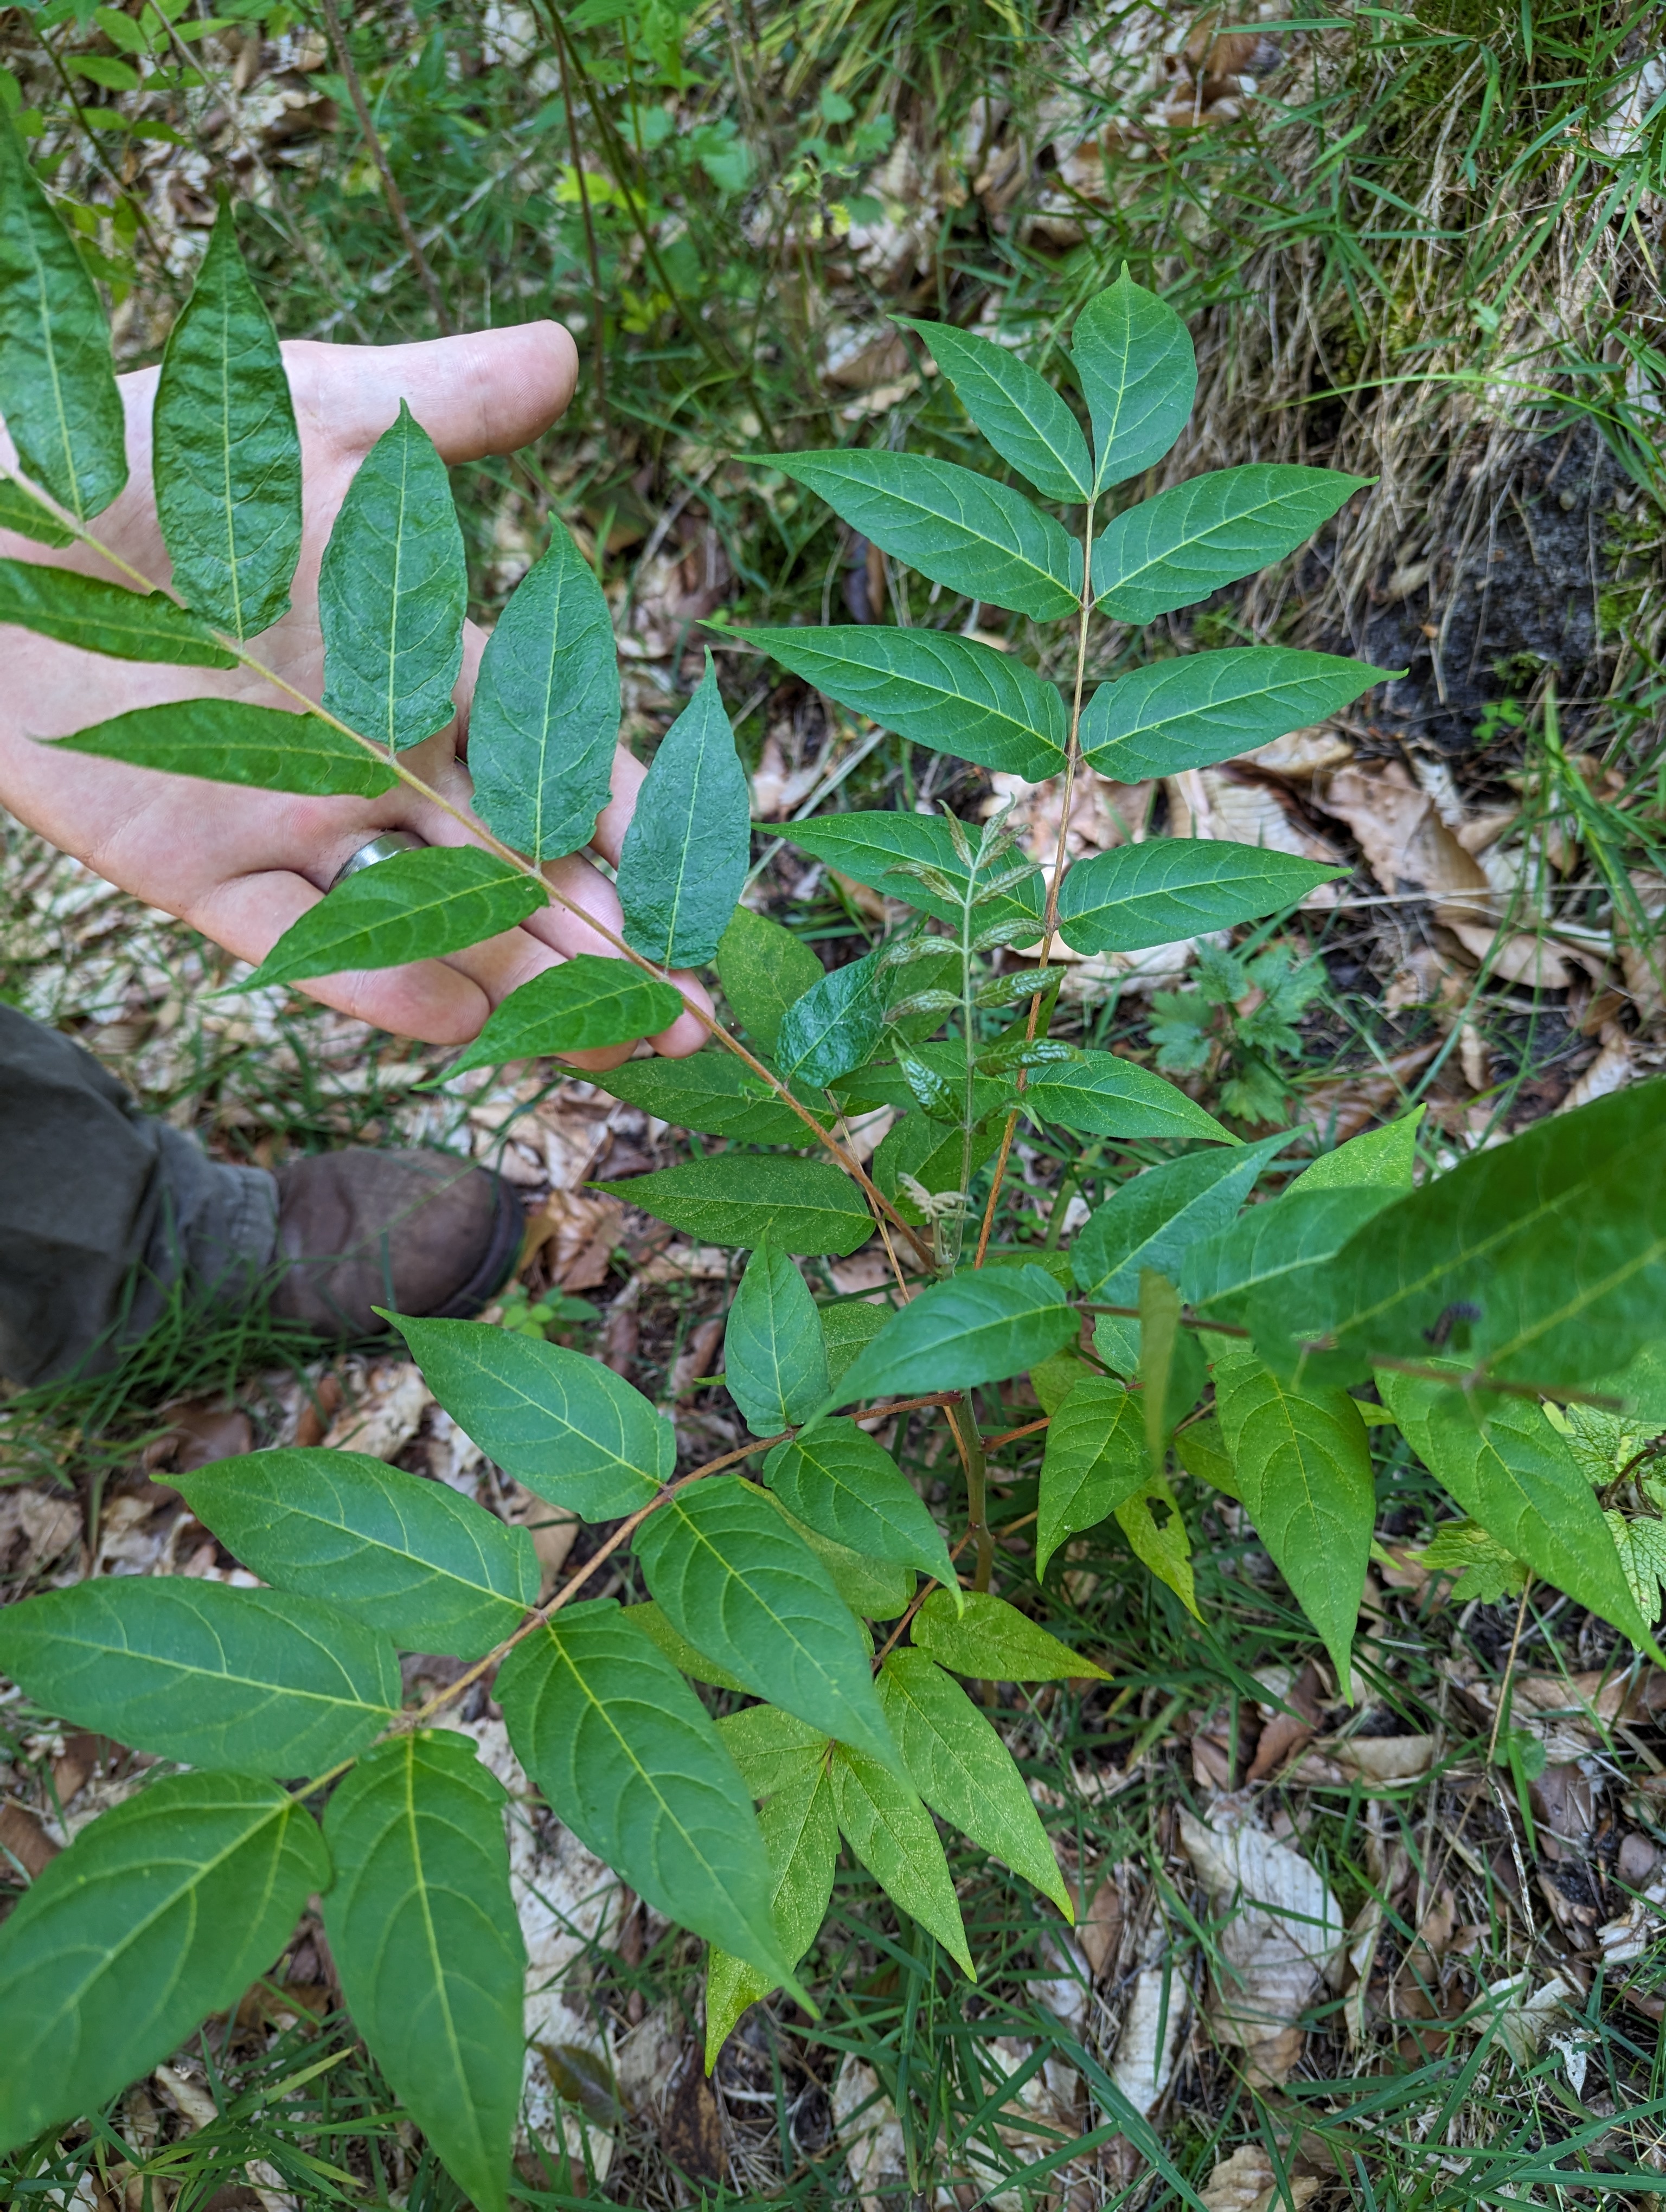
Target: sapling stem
[{"x": 969, "y": 1441}]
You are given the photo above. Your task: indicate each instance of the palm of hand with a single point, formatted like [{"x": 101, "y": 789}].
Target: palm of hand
[{"x": 241, "y": 865}]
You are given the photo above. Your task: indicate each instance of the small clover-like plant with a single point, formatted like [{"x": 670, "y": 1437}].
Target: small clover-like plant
[{"x": 1182, "y": 1328}]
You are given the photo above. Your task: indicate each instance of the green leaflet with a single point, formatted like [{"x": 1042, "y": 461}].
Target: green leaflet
[
  {"x": 741, "y": 1198},
  {"x": 734, "y": 1579},
  {"x": 949, "y": 693},
  {"x": 1174, "y": 549},
  {"x": 567, "y": 1427},
  {"x": 1101, "y": 1094},
  {"x": 392, "y": 592},
  {"x": 1302, "y": 1463},
  {"x": 162, "y": 1911},
  {"x": 102, "y": 617},
  {"x": 833, "y": 1028},
  {"x": 842, "y": 1484},
  {"x": 28, "y": 516},
  {"x": 712, "y": 1091},
  {"x": 802, "y": 1839},
  {"x": 589, "y": 1000},
  {"x": 1171, "y": 889},
  {"x": 423, "y": 1933},
  {"x": 1201, "y": 708},
  {"x": 868, "y": 846},
  {"x": 1385, "y": 1157},
  {"x": 195, "y": 1671},
  {"x": 956, "y": 528},
  {"x": 1152, "y": 1220},
  {"x": 993, "y": 1641},
  {"x": 1548, "y": 1253},
  {"x": 651, "y": 1619},
  {"x": 772, "y": 1748},
  {"x": 1134, "y": 360},
  {"x": 629, "y": 1758},
  {"x": 874, "y": 1588},
  {"x": 980, "y": 1327},
  {"x": 1200, "y": 1448},
  {"x": 1095, "y": 1460},
  {"x": 1641, "y": 1546},
  {"x": 685, "y": 855},
  {"x": 891, "y": 1833},
  {"x": 229, "y": 741},
  {"x": 416, "y": 906},
  {"x": 773, "y": 1362},
  {"x": 1158, "y": 1540},
  {"x": 945, "y": 1061},
  {"x": 1508, "y": 1470},
  {"x": 762, "y": 968},
  {"x": 1296, "y": 1230},
  {"x": 1016, "y": 409},
  {"x": 226, "y": 453},
  {"x": 965, "y": 1771},
  {"x": 846, "y": 1329},
  {"x": 58, "y": 387},
  {"x": 1171, "y": 1368},
  {"x": 544, "y": 721},
  {"x": 403, "y": 1554}
]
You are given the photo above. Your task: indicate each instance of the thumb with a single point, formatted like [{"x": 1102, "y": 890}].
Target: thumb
[{"x": 484, "y": 392}]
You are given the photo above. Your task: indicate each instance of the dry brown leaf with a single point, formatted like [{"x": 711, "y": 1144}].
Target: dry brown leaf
[
  {"x": 1302, "y": 753},
  {"x": 1284, "y": 1732},
  {"x": 777, "y": 789},
  {"x": 48, "y": 1523},
  {"x": 866, "y": 2122},
  {"x": 1382, "y": 1760},
  {"x": 552, "y": 1528},
  {"x": 1474, "y": 1057},
  {"x": 575, "y": 1234},
  {"x": 1570, "y": 1715},
  {"x": 1148, "y": 2043},
  {"x": 1406, "y": 845},
  {"x": 1612, "y": 1070},
  {"x": 1349, "y": 1103},
  {"x": 1643, "y": 954},
  {"x": 384, "y": 1411},
  {"x": 1099, "y": 1929},
  {"x": 1246, "y": 2183}
]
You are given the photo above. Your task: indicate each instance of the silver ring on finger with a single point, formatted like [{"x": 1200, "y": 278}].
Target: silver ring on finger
[{"x": 381, "y": 847}]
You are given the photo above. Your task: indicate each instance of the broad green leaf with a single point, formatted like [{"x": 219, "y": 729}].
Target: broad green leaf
[
  {"x": 424, "y": 1937},
  {"x": 1641, "y": 1546},
  {"x": 1302, "y": 1461},
  {"x": 100, "y": 617},
  {"x": 392, "y": 593},
  {"x": 843, "y": 1485},
  {"x": 1642, "y": 1383},
  {"x": 630, "y": 1759},
  {"x": 1174, "y": 549},
  {"x": 1101, "y": 1094},
  {"x": 891, "y": 1833},
  {"x": 1054, "y": 1379},
  {"x": 741, "y": 1198},
  {"x": 1156, "y": 1531},
  {"x": 258, "y": 1682},
  {"x": 774, "y": 1361},
  {"x": 28, "y": 516},
  {"x": 436, "y": 1572},
  {"x": 1200, "y": 1448},
  {"x": 416, "y": 906},
  {"x": 589, "y": 1000},
  {"x": 773, "y": 1749},
  {"x": 1152, "y": 1220},
  {"x": 567, "y": 1427},
  {"x": 965, "y": 1771},
  {"x": 1095, "y": 1460},
  {"x": 1171, "y": 889},
  {"x": 735, "y": 1580},
  {"x": 874, "y": 1588},
  {"x": 1548, "y": 1254},
  {"x": 545, "y": 721},
  {"x": 802, "y": 1839},
  {"x": 1296, "y": 1230},
  {"x": 1015, "y": 407},
  {"x": 685, "y": 855},
  {"x": 1201, "y": 708},
  {"x": 1508, "y": 1470},
  {"x": 163, "y": 1910},
  {"x": 868, "y": 846},
  {"x": 58, "y": 387},
  {"x": 651, "y": 1619},
  {"x": 833, "y": 1028},
  {"x": 949, "y": 693},
  {"x": 712, "y": 1091},
  {"x": 1386, "y": 1158},
  {"x": 1133, "y": 357},
  {"x": 959, "y": 529},
  {"x": 229, "y": 741},
  {"x": 762, "y": 968},
  {"x": 983, "y": 1326},
  {"x": 847, "y": 1329},
  {"x": 226, "y": 453},
  {"x": 994, "y": 1642}
]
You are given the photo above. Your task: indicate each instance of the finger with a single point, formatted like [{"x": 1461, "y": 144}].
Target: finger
[{"x": 484, "y": 391}]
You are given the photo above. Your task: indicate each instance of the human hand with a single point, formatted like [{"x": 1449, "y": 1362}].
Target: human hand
[{"x": 242, "y": 865}]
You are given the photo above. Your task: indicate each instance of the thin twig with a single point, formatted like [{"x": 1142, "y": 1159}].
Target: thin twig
[{"x": 597, "y": 303}]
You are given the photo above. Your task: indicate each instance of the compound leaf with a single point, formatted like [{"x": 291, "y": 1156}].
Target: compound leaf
[
  {"x": 423, "y": 1933},
  {"x": 1171, "y": 889},
  {"x": 802, "y": 1837},
  {"x": 1135, "y": 359},
  {"x": 1205, "y": 707},
  {"x": 848, "y": 1488},
  {"x": 1176, "y": 548},
  {"x": 163, "y": 1910},
  {"x": 414, "y": 906},
  {"x": 229, "y": 741},
  {"x": 544, "y": 721},
  {"x": 870, "y": 847},
  {"x": 774, "y": 1361},
  {"x": 1015, "y": 407},
  {"x": 256, "y": 1681},
  {"x": 741, "y": 1198},
  {"x": 567, "y": 1427},
  {"x": 983, "y": 1326},
  {"x": 959, "y": 529},
  {"x": 100, "y": 617},
  {"x": 994, "y": 1642},
  {"x": 1101, "y": 1094},
  {"x": 226, "y": 456},
  {"x": 392, "y": 592},
  {"x": 1095, "y": 1460},
  {"x": 685, "y": 855},
  {"x": 762, "y": 968},
  {"x": 589, "y": 1000},
  {"x": 629, "y": 1759},
  {"x": 407, "y": 1555},
  {"x": 891, "y": 1833}
]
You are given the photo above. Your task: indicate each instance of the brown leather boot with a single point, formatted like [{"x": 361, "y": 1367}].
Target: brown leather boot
[{"x": 419, "y": 1233}]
